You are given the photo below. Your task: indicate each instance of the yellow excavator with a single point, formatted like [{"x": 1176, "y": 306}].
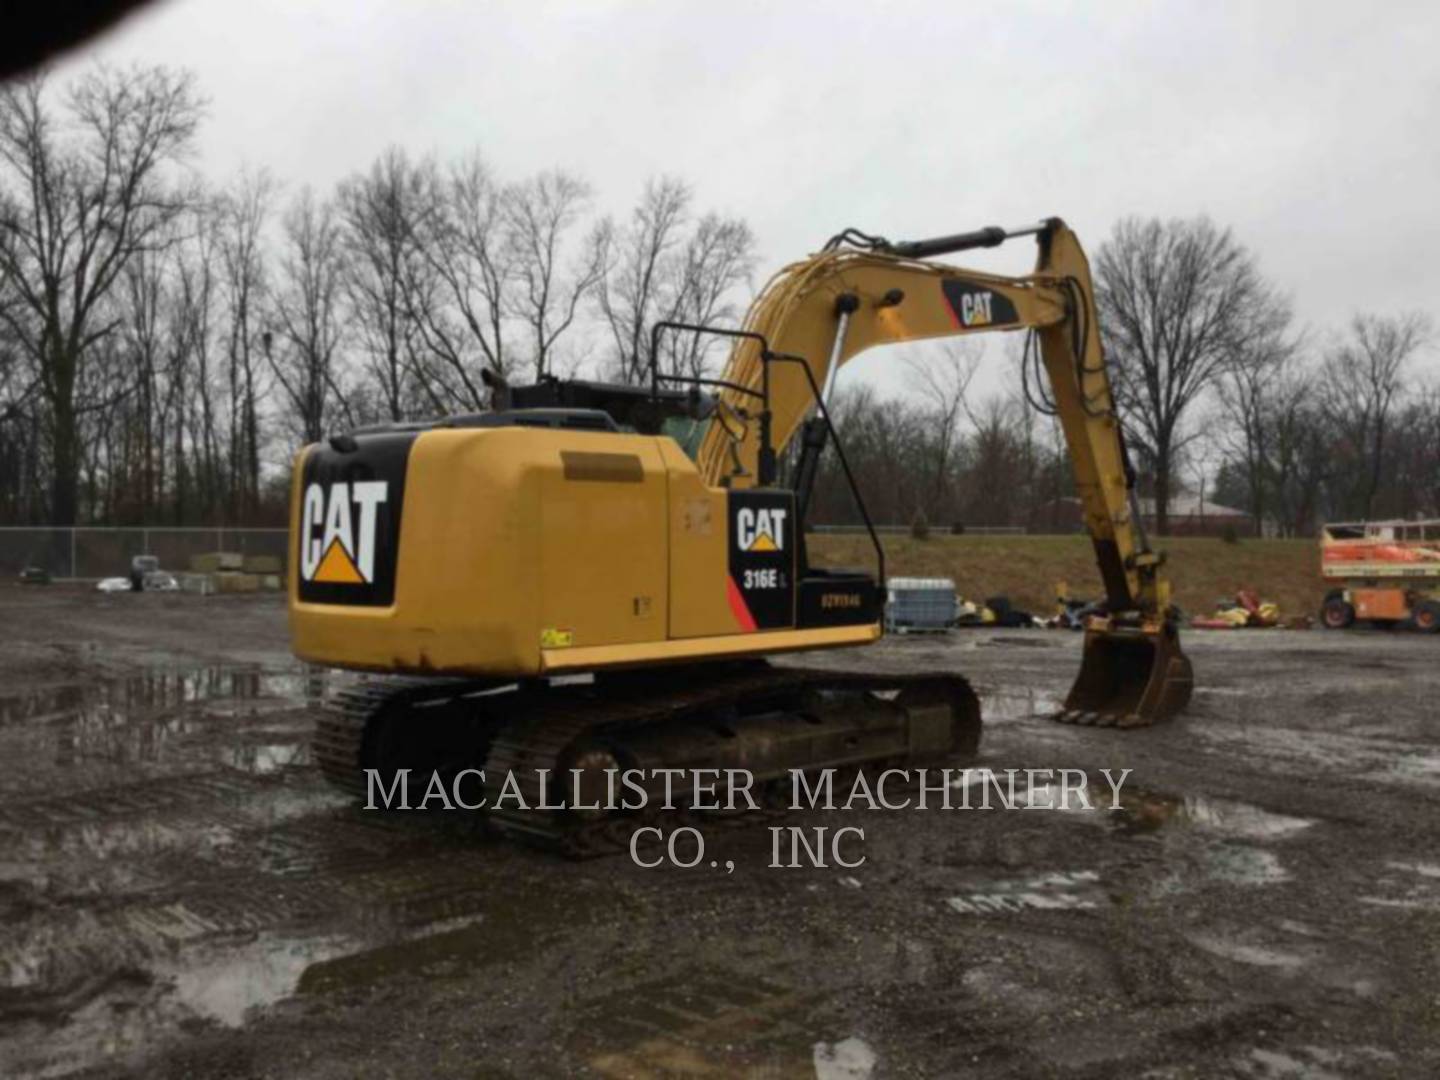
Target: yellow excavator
[{"x": 591, "y": 576}]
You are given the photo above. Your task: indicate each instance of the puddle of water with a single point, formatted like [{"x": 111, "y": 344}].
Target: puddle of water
[
  {"x": 1274, "y": 1065},
  {"x": 849, "y": 1059},
  {"x": 147, "y": 718},
  {"x": 154, "y": 691},
  {"x": 1255, "y": 955},
  {"x": 1242, "y": 820},
  {"x": 1403, "y": 903},
  {"x": 275, "y": 967},
  {"x": 451, "y": 947},
  {"x": 1144, "y": 811},
  {"x": 266, "y": 759},
  {"x": 1009, "y": 705},
  {"x": 709, "y": 1023},
  {"x": 1238, "y": 865},
  {"x": 1317, "y": 1063},
  {"x": 268, "y": 970},
  {"x": 1426, "y": 870},
  {"x": 185, "y": 961},
  {"x": 1424, "y": 768},
  {"x": 221, "y": 983},
  {"x": 1073, "y": 890},
  {"x": 1305, "y": 753},
  {"x": 1418, "y": 890},
  {"x": 1008, "y": 641}
]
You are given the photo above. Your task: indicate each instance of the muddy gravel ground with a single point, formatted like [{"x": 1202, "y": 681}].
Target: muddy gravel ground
[{"x": 181, "y": 895}]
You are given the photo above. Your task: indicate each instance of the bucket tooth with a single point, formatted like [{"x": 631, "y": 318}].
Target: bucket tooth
[{"x": 1129, "y": 677}]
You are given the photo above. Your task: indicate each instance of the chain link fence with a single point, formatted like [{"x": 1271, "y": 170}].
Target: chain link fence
[
  {"x": 938, "y": 530},
  {"x": 88, "y": 553},
  {"x": 98, "y": 553}
]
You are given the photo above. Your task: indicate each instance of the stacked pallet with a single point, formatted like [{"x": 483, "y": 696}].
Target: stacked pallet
[{"x": 233, "y": 572}]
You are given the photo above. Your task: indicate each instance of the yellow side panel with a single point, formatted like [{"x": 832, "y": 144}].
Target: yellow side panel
[
  {"x": 603, "y": 565},
  {"x": 467, "y": 549},
  {"x": 699, "y": 557}
]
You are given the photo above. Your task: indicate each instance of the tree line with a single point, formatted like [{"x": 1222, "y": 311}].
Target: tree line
[{"x": 166, "y": 342}]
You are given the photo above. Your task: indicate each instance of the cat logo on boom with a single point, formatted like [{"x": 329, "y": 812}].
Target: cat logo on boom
[
  {"x": 760, "y": 529},
  {"x": 337, "y": 540},
  {"x": 975, "y": 308}
]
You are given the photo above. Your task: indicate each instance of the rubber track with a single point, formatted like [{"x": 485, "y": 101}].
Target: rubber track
[
  {"x": 541, "y": 727},
  {"x": 540, "y": 738},
  {"x": 339, "y": 741}
]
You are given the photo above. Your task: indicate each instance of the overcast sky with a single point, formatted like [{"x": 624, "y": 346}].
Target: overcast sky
[{"x": 1312, "y": 129}]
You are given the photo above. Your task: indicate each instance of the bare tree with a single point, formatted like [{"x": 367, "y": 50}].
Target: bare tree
[
  {"x": 142, "y": 308},
  {"x": 942, "y": 375},
  {"x": 243, "y": 215},
  {"x": 73, "y": 212},
  {"x": 631, "y": 293},
  {"x": 717, "y": 259},
  {"x": 461, "y": 314},
  {"x": 1179, "y": 300},
  {"x": 307, "y": 317},
  {"x": 1247, "y": 389},
  {"x": 996, "y": 481},
  {"x": 381, "y": 212},
  {"x": 195, "y": 294},
  {"x": 1426, "y": 432},
  {"x": 1363, "y": 377},
  {"x": 1300, "y": 452},
  {"x": 540, "y": 215}
]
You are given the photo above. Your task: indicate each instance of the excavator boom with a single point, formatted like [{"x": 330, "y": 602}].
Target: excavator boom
[{"x": 862, "y": 292}]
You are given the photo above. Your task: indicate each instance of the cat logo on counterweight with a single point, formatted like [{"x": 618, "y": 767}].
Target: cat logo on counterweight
[
  {"x": 337, "y": 521},
  {"x": 760, "y": 528}
]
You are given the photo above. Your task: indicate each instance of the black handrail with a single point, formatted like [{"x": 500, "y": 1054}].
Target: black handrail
[
  {"x": 701, "y": 381},
  {"x": 766, "y": 463},
  {"x": 670, "y": 324},
  {"x": 840, "y": 450},
  {"x": 766, "y": 456}
]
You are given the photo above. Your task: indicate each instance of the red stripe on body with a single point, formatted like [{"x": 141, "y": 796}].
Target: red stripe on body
[{"x": 738, "y": 607}]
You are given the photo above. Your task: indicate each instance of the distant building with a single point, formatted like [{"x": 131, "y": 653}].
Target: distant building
[{"x": 1189, "y": 516}]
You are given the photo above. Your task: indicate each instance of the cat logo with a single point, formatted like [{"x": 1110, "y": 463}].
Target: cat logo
[
  {"x": 760, "y": 529},
  {"x": 337, "y": 539},
  {"x": 975, "y": 308}
]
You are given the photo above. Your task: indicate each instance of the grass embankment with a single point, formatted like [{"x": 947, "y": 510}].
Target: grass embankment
[{"x": 1026, "y": 568}]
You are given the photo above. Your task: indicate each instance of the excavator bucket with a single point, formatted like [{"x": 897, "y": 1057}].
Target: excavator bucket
[{"x": 1129, "y": 677}]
